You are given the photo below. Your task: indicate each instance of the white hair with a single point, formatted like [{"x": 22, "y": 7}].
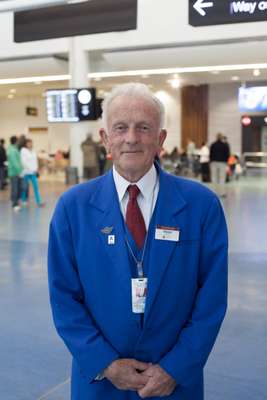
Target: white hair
[{"x": 132, "y": 89}]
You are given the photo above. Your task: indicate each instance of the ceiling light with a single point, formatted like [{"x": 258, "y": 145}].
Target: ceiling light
[
  {"x": 10, "y": 96},
  {"x": 256, "y": 72},
  {"x": 37, "y": 82},
  {"x": 32, "y": 79},
  {"x": 175, "y": 83},
  {"x": 182, "y": 70},
  {"x": 235, "y": 78},
  {"x": 13, "y": 90},
  {"x": 215, "y": 72}
]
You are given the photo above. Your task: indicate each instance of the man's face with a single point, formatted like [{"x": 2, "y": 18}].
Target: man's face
[{"x": 133, "y": 136}]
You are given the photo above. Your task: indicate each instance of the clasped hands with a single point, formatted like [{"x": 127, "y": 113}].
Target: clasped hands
[{"x": 147, "y": 379}]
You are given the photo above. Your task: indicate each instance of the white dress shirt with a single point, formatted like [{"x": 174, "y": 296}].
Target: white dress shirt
[{"x": 149, "y": 189}]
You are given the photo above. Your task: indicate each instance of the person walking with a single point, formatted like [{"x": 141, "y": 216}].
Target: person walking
[
  {"x": 219, "y": 154},
  {"x": 29, "y": 172},
  {"x": 137, "y": 266},
  {"x": 14, "y": 172},
  {"x": 3, "y": 159}
]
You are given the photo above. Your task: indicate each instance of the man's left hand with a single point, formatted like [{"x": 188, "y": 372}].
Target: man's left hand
[{"x": 160, "y": 383}]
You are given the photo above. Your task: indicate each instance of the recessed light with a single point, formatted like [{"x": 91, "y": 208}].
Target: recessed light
[
  {"x": 10, "y": 96},
  {"x": 13, "y": 90},
  {"x": 175, "y": 83},
  {"x": 235, "y": 78},
  {"x": 256, "y": 72}
]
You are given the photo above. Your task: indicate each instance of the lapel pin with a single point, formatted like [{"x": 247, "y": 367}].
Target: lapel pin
[
  {"x": 107, "y": 230},
  {"x": 111, "y": 239}
]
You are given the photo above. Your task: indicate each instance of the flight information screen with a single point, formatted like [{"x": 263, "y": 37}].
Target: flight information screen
[{"x": 71, "y": 105}]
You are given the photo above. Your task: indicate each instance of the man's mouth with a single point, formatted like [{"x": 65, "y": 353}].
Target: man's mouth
[{"x": 131, "y": 151}]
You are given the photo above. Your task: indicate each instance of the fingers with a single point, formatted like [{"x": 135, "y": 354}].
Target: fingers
[
  {"x": 124, "y": 375},
  {"x": 159, "y": 383},
  {"x": 139, "y": 365}
]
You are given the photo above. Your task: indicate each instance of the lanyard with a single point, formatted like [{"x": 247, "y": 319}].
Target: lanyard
[{"x": 139, "y": 263}]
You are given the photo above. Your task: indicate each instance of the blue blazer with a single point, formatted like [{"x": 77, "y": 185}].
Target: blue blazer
[{"x": 90, "y": 285}]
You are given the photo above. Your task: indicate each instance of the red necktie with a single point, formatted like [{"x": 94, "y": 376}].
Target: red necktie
[{"x": 134, "y": 217}]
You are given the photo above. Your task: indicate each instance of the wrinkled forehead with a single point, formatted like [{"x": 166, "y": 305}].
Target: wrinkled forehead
[{"x": 133, "y": 109}]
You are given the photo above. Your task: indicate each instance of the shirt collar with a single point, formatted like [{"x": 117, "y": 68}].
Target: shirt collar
[{"x": 145, "y": 184}]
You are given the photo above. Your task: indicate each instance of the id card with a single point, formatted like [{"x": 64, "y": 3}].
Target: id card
[
  {"x": 167, "y": 233},
  {"x": 139, "y": 294}
]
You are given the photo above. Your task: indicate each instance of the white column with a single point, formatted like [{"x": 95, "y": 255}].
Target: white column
[{"x": 78, "y": 69}]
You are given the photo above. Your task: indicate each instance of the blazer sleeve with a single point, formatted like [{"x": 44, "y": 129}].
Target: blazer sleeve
[
  {"x": 185, "y": 361},
  {"x": 71, "y": 316}
]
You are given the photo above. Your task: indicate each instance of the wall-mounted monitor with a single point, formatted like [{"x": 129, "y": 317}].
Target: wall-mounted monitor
[
  {"x": 71, "y": 105},
  {"x": 252, "y": 98}
]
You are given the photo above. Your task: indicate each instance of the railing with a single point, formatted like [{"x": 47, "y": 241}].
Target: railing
[{"x": 254, "y": 159}]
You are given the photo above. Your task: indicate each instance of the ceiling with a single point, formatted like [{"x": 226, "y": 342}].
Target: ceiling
[{"x": 213, "y": 54}]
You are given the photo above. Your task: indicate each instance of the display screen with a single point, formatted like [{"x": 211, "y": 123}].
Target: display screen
[
  {"x": 253, "y": 98},
  {"x": 71, "y": 105}
]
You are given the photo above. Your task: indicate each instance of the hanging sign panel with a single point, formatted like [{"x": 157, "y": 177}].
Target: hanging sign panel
[
  {"x": 75, "y": 19},
  {"x": 216, "y": 12}
]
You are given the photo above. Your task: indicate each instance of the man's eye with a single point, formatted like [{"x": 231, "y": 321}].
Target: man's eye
[
  {"x": 119, "y": 128},
  {"x": 144, "y": 128}
]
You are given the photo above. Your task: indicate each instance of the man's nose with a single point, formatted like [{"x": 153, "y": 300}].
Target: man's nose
[{"x": 132, "y": 135}]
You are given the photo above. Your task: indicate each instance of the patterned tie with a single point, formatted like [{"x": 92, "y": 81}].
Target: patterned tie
[{"x": 134, "y": 217}]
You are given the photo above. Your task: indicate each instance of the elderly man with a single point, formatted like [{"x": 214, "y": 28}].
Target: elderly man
[{"x": 137, "y": 266}]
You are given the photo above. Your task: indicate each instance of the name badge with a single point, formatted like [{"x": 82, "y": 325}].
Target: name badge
[
  {"x": 139, "y": 294},
  {"x": 167, "y": 233}
]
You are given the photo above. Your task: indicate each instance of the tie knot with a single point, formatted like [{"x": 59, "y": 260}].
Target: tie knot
[{"x": 133, "y": 191}]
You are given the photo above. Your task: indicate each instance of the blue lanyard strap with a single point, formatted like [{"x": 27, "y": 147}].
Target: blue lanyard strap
[{"x": 139, "y": 263}]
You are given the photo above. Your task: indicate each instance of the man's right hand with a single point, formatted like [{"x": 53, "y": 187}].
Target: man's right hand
[{"x": 125, "y": 374}]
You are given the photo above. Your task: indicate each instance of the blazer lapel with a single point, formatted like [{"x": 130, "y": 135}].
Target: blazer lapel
[
  {"x": 111, "y": 223},
  {"x": 170, "y": 202}
]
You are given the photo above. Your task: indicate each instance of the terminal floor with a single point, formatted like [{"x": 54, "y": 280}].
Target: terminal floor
[{"x": 34, "y": 363}]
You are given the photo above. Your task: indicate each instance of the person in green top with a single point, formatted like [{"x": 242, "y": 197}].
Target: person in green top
[{"x": 14, "y": 172}]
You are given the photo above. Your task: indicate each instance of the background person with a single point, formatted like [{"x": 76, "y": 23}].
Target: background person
[
  {"x": 204, "y": 158},
  {"x": 137, "y": 266},
  {"x": 14, "y": 172},
  {"x": 219, "y": 154},
  {"x": 2, "y": 164},
  {"x": 90, "y": 157},
  {"x": 29, "y": 172}
]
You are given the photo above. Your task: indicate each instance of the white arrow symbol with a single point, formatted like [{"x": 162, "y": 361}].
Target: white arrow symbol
[{"x": 199, "y": 5}]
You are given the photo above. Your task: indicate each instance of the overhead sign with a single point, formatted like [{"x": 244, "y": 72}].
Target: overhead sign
[
  {"x": 84, "y": 18},
  {"x": 216, "y": 12}
]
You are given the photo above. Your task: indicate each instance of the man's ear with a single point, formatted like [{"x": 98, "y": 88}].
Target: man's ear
[
  {"x": 104, "y": 137},
  {"x": 162, "y": 137}
]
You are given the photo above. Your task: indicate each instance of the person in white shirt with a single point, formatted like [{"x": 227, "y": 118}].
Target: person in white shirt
[
  {"x": 137, "y": 266},
  {"x": 29, "y": 172}
]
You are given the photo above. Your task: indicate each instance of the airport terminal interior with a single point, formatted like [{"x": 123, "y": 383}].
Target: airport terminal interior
[{"x": 211, "y": 77}]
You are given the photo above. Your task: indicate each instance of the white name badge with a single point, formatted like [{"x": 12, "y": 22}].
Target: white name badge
[
  {"x": 167, "y": 233},
  {"x": 139, "y": 294}
]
